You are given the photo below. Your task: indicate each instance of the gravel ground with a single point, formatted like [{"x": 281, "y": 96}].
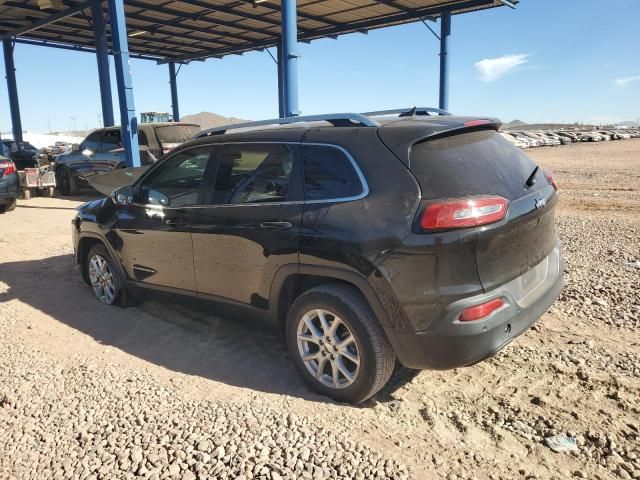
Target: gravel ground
[{"x": 160, "y": 391}]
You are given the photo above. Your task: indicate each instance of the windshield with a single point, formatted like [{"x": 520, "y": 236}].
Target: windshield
[{"x": 176, "y": 133}]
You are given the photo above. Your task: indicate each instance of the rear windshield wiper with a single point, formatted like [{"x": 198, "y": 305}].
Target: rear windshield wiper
[{"x": 532, "y": 178}]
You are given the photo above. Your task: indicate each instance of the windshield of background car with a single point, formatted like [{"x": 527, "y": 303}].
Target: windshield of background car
[{"x": 176, "y": 133}]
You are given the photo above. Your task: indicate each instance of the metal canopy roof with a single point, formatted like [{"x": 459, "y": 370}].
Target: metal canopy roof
[{"x": 184, "y": 30}]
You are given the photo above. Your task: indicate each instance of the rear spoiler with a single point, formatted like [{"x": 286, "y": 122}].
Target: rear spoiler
[{"x": 400, "y": 140}]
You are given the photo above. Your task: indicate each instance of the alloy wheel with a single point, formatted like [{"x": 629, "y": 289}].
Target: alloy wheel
[
  {"x": 328, "y": 348},
  {"x": 102, "y": 281}
]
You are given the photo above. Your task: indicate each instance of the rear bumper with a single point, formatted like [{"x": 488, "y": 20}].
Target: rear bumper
[{"x": 451, "y": 343}]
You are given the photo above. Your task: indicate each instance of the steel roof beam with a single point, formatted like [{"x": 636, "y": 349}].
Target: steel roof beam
[
  {"x": 46, "y": 20},
  {"x": 232, "y": 11},
  {"x": 306, "y": 16},
  {"x": 342, "y": 29},
  {"x": 198, "y": 17},
  {"x": 167, "y": 40},
  {"x": 76, "y": 48},
  {"x": 88, "y": 40}
]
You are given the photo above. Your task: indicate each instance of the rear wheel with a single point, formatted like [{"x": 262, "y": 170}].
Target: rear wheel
[
  {"x": 66, "y": 182},
  {"x": 337, "y": 343}
]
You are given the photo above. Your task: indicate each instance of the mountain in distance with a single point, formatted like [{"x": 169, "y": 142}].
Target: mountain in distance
[
  {"x": 513, "y": 124},
  {"x": 210, "y": 120}
]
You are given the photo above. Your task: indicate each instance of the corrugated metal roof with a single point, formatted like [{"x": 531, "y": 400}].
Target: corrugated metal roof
[{"x": 182, "y": 30}]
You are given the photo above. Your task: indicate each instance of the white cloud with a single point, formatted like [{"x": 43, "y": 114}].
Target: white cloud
[
  {"x": 624, "y": 81},
  {"x": 493, "y": 68}
]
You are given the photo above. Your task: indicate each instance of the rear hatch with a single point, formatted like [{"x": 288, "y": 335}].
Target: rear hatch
[{"x": 477, "y": 162}]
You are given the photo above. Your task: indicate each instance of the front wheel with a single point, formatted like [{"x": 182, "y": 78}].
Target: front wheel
[
  {"x": 337, "y": 344},
  {"x": 103, "y": 276}
]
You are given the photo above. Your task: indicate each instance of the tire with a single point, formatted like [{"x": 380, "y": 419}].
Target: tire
[
  {"x": 8, "y": 207},
  {"x": 108, "y": 284},
  {"x": 65, "y": 182},
  {"x": 370, "y": 346}
]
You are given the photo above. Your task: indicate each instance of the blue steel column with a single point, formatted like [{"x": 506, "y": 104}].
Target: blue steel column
[
  {"x": 174, "y": 92},
  {"x": 445, "y": 31},
  {"x": 281, "y": 105},
  {"x": 102, "y": 57},
  {"x": 128, "y": 121},
  {"x": 290, "y": 57},
  {"x": 12, "y": 87}
]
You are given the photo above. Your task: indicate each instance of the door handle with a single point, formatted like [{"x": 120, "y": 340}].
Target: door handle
[
  {"x": 175, "y": 223},
  {"x": 276, "y": 225}
]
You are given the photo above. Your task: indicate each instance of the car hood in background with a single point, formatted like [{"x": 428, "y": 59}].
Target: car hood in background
[{"x": 106, "y": 183}]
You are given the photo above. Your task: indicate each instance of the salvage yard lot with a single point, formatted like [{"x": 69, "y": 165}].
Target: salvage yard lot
[{"x": 161, "y": 391}]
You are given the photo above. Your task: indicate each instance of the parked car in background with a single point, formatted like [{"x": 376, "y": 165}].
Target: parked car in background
[
  {"x": 555, "y": 136},
  {"x": 102, "y": 151},
  {"x": 572, "y": 136},
  {"x": 23, "y": 154},
  {"x": 424, "y": 240},
  {"x": 532, "y": 142},
  {"x": 544, "y": 141},
  {"x": 518, "y": 142},
  {"x": 591, "y": 137},
  {"x": 9, "y": 189}
]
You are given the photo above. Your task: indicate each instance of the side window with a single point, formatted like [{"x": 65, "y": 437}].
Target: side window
[
  {"x": 328, "y": 173},
  {"x": 92, "y": 142},
  {"x": 110, "y": 140},
  {"x": 176, "y": 182},
  {"x": 142, "y": 138},
  {"x": 253, "y": 174}
]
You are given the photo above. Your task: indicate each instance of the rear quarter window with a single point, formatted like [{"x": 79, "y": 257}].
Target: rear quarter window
[{"x": 329, "y": 174}]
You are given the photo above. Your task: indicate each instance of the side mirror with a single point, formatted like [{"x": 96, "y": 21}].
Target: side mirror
[
  {"x": 157, "y": 198},
  {"x": 123, "y": 196},
  {"x": 75, "y": 147}
]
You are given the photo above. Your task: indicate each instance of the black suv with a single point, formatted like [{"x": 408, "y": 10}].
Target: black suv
[
  {"x": 102, "y": 151},
  {"x": 368, "y": 238}
]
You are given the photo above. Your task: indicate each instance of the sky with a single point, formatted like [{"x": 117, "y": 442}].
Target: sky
[{"x": 546, "y": 61}]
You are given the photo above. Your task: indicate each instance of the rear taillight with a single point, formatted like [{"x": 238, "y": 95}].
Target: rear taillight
[
  {"x": 475, "y": 123},
  {"x": 7, "y": 167},
  {"x": 550, "y": 179},
  {"x": 463, "y": 213},
  {"x": 481, "y": 311}
]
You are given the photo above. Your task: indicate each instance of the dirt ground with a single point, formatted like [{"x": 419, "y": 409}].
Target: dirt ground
[{"x": 576, "y": 372}]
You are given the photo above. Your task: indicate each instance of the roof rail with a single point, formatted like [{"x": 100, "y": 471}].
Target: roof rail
[
  {"x": 336, "y": 119},
  {"x": 408, "y": 112}
]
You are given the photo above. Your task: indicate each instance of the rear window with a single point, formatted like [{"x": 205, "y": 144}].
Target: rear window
[
  {"x": 473, "y": 163},
  {"x": 176, "y": 133},
  {"x": 328, "y": 174}
]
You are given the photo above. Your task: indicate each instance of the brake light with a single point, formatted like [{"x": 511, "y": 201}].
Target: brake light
[
  {"x": 483, "y": 310},
  {"x": 475, "y": 123},
  {"x": 7, "y": 167},
  {"x": 463, "y": 213},
  {"x": 550, "y": 179}
]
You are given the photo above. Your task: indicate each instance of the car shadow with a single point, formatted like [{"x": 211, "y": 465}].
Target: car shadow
[{"x": 236, "y": 351}]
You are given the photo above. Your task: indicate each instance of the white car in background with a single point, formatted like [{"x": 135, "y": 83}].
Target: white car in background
[{"x": 515, "y": 140}]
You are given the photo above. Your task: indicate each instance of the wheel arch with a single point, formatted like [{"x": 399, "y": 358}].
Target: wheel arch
[
  {"x": 291, "y": 281},
  {"x": 85, "y": 243}
]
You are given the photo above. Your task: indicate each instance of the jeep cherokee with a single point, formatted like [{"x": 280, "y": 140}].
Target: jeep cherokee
[{"x": 369, "y": 239}]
